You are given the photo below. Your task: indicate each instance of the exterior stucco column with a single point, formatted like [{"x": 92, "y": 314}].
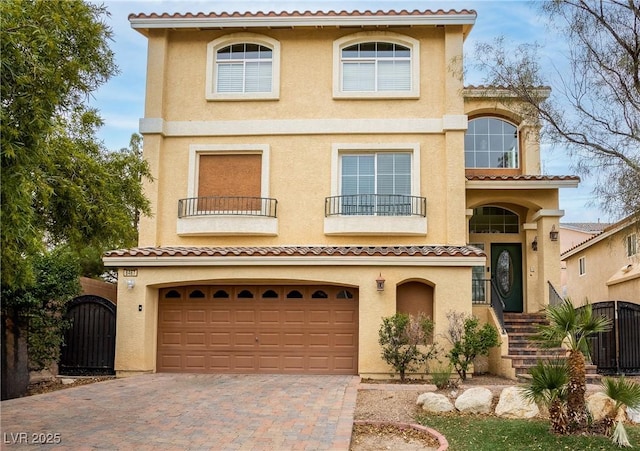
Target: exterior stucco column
[{"x": 548, "y": 254}]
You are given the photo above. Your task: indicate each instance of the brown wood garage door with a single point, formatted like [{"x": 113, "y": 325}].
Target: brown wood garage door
[{"x": 258, "y": 329}]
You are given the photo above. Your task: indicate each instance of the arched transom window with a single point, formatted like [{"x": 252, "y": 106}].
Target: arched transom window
[
  {"x": 490, "y": 219},
  {"x": 491, "y": 143}
]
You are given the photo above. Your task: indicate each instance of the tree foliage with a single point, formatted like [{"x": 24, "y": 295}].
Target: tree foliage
[
  {"x": 468, "y": 341},
  {"x": 594, "y": 110},
  {"x": 59, "y": 184},
  {"x": 405, "y": 341}
]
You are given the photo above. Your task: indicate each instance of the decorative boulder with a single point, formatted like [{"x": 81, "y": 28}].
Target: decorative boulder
[
  {"x": 634, "y": 415},
  {"x": 434, "y": 402},
  {"x": 513, "y": 404},
  {"x": 475, "y": 400},
  {"x": 600, "y": 406}
]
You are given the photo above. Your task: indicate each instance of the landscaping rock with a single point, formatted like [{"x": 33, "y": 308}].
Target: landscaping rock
[
  {"x": 512, "y": 404},
  {"x": 475, "y": 400},
  {"x": 66, "y": 381},
  {"x": 434, "y": 402},
  {"x": 633, "y": 415},
  {"x": 601, "y": 406}
]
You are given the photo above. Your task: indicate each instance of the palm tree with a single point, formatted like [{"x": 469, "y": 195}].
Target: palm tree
[
  {"x": 571, "y": 328},
  {"x": 548, "y": 386},
  {"x": 623, "y": 392}
]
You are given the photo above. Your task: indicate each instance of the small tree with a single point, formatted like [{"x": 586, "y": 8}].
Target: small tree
[
  {"x": 468, "y": 341},
  {"x": 405, "y": 341}
]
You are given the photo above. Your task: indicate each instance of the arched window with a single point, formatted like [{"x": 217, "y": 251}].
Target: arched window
[
  {"x": 269, "y": 294},
  {"x": 319, "y": 295},
  {"x": 221, "y": 294},
  {"x": 383, "y": 65},
  {"x": 493, "y": 220},
  {"x": 243, "y": 66},
  {"x": 172, "y": 294},
  {"x": 196, "y": 294},
  {"x": 294, "y": 294},
  {"x": 245, "y": 294},
  {"x": 344, "y": 294},
  {"x": 491, "y": 142}
]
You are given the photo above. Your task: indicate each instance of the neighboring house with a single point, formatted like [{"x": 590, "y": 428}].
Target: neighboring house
[
  {"x": 606, "y": 266},
  {"x": 314, "y": 173},
  {"x": 572, "y": 234}
]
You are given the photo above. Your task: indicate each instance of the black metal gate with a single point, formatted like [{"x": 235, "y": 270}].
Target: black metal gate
[
  {"x": 617, "y": 351},
  {"x": 90, "y": 343}
]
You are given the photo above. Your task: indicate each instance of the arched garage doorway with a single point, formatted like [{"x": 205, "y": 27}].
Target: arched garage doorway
[{"x": 258, "y": 329}]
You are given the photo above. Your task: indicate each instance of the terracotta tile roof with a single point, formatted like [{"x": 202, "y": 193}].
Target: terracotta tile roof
[
  {"x": 299, "y": 14},
  {"x": 299, "y": 251},
  {"x": 510, "y": 178}
]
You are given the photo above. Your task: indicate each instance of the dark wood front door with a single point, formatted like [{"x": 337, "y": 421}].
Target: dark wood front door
[{"x": 506, "y": 272}]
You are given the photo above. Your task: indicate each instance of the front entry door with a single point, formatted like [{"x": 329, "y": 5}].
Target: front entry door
[{"x": 506, "y": 272}]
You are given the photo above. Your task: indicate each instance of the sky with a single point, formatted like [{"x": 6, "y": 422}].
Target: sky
[{"x": 121, "y": 100}]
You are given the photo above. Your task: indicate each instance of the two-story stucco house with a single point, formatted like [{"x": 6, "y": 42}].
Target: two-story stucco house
[{"x": 315, "y": 172}]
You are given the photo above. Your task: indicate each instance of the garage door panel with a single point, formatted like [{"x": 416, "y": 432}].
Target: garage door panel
[
  {"x": 220, "y": 339},
  {"x": 264, "y": 334},
  {"x": 221, "y": 316},
  {"x": 293, "y": 317},
  {"x": 170, "y": 338},
  {"x": 244, "y": 339},
  {"x": 196, "y": 316}
]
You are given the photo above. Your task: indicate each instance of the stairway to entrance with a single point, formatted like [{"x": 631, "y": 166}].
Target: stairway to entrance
[{"x": 524, "y": 353}]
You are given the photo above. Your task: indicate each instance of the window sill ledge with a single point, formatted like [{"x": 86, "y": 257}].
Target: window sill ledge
[
  {"x": 227, "y": 225},
  {"x": 376, "y": 225}
]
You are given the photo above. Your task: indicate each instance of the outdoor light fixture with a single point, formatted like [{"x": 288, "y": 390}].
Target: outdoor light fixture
[
  {"x": 534, "y": 244},
  {"x": 554, "y": 233},
  {"x": 131, "y": 283},
  {"x": 380, "y": 283}
]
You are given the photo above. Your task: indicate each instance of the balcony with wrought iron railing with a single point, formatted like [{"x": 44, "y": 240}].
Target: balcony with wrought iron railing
[
  {"x": 375, "y": 214},
  {"x": 227, "y": 215}
]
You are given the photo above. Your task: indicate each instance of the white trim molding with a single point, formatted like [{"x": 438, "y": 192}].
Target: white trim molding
[{"x": 303, "y": 127}]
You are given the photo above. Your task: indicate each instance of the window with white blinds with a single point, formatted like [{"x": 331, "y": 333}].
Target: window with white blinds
[
  {"x": 377, "y": 173},
  {"x": 376, "y": 67},
  {"x": 244, "y": 68}
]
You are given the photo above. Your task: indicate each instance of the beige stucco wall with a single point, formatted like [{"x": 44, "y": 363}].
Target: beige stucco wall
[
  {"x": 604, "y": 259},
  {"x": 138, "y": 307}
]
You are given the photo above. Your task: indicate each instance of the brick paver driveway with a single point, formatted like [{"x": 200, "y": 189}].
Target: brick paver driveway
[{"x": 188, "y": 411}]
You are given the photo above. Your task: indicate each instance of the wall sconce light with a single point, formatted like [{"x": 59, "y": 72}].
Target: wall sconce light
[
  {"x": 554, "y": 233},
  {"x": 380, "y": 283},
  {"x": 534, "y": 244},
  {"x": 130, "y": 284}
]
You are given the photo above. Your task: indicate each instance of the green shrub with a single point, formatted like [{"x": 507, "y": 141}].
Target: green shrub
[
  {"x": 441, "y": 377},
  {"x": 468, "y": 341},
  {"x": 405, "y": 341}
]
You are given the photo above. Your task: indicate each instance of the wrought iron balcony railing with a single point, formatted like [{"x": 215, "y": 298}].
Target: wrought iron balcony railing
[
  {"x": 376, "y": 205},
  {"x": 227, "y": 205}
]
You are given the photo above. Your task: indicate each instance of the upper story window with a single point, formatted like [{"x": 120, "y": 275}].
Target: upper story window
[
  {"x": 243, "y": 66},
  {"x": 631, "y": 244},
  {"x": 376, "y": 65},
  {"x": 582, "y": 266},
  {"x": 491, "y": 143}
]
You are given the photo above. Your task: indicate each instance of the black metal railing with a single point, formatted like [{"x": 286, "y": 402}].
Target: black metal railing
[
  {"x": 227, "y": 205},
  {"x": 376, "y": 205},
  {"x": 497, "y": 303},
  {"x": 480, "y": 288},
  {"x": 554, "y": 297}
]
